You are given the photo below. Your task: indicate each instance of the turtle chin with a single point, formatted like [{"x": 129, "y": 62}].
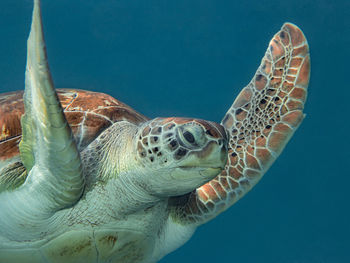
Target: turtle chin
[
  {"x": 184, "y": 179},
  {"x": 196, "y": 175},
  {"x": 207, "y": 173}
]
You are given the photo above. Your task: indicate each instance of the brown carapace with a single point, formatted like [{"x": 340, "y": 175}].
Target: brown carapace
[{"x": 88, "y": 114}]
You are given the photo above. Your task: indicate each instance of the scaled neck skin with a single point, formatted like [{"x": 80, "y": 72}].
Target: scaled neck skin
[{"x": 115, "y": 182}]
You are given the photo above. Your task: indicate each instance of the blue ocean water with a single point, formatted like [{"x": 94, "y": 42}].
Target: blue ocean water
[{"x": 191, "y": 58}]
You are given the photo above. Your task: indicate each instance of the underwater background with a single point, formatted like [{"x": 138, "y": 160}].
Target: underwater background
[{"x": 191, "y": 58}]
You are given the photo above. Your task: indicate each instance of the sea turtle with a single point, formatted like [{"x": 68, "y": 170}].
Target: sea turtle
[{"x": 85, "y": 178}]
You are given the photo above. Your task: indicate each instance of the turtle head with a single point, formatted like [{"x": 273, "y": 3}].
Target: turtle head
[{"x": 177, "y": 155}]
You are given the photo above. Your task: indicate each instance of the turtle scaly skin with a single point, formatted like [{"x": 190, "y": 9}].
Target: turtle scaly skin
[{"x": 85, "y": 178}]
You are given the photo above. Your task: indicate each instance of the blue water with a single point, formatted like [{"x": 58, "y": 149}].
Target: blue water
[{"x": 191, "y": 58}]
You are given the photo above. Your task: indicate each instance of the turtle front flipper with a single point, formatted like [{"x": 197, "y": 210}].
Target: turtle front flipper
[
  {"x": 47, "y": 141},
  {"x": 260, "y": 122}
]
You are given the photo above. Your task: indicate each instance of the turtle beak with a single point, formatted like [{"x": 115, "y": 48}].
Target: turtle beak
[{"x": 213, "y": 155}]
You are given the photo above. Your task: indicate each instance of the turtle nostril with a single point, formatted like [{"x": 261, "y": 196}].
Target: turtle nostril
[
  {"x": 189, "y": 137},
  {"x": 209, "y": 133},
  {"x": 224, "y": 146}
]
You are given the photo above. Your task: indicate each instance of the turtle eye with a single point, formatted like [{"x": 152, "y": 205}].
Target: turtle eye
[{"x": 191, "y": 136}]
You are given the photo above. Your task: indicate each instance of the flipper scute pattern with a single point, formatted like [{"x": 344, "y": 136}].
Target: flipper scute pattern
[{"x": 261, "y": 121}]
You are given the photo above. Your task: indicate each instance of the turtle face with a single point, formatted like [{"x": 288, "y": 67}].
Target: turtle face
[{"x": 179, "y": 154}]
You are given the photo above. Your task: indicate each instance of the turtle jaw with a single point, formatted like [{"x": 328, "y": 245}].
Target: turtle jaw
[
  {"x": 206, "y": 173},
  {"x": 188, "y": 167},
  {"x": 193, "y": 172},
  {"x": 212, "y": 158},
  {"x": 183, "y": 180},
  {"x": 205, "y": 170}
]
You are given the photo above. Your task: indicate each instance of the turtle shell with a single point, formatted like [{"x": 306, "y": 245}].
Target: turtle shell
[{"x": 88, "y": 114}]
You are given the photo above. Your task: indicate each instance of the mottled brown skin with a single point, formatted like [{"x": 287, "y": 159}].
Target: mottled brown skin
[{"x": 92, "y": 110}]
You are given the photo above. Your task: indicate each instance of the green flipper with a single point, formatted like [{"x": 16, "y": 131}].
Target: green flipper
[
  {"x": 12, "y": 176},
  {"x": 47, "y": 143}
]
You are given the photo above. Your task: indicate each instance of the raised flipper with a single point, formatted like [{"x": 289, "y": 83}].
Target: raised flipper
[
  {"x": 260, "y": 123},
  {"x": 47, "y": 143}
]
